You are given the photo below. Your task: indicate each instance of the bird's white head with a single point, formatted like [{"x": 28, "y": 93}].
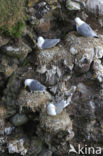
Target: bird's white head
[
  {"x": 78, "y": 21},
  {"x": 51, "y": 109},
  {"x": 40, "y": 42},
  {"x": 27, "y": 82}
]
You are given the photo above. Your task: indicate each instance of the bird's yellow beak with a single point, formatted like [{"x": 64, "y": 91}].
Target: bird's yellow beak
[
  {"x": 25, "y": 86},
  {"x": 78, "y": 24}
]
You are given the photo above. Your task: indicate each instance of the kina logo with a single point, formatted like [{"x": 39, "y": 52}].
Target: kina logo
[{"x": 85, "y": 150}]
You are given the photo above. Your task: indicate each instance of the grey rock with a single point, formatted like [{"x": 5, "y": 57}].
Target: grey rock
[
  {"x": 72, "y": 5},
  {"x": 95, "y": 6},
  {"x": 36, "y": 146},
  {"x": 16, "y": 146},
  {"x": 98, "y": 69},
  {"x": 19, "y": 119},
  {"x": 3, "y": 41},
  {"x": 7, "y": 65},
  {"x": 9, "y": 129},
  {"x": 86, "y": 50},
  {"x": 46, "y": 153},
  {"x": 54, "y": 63},
  {"x": 98, "y": 52},
  {"x": 20, "y": 51},
  {"x": 10, "y": 95},
  {"x": 84, "y": 90}
]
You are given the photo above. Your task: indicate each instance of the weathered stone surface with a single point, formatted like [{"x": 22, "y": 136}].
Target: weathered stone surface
[
  {"x": 7, "y": 65},
  {"x": 70, "y": 5},
  {"x": 19, "y": 119},
  {"x": 46, "y": 153},
  {"x": 2, "y": 119},
  {"x": 3, "y": 41},
  {"x": 84, "y": 50},
  {"x": 98, "y": 68},
  {"x": 54, "y": 63},
  {"x": 9, "y": 128},
  {"x": 2, "y": 112},
  {"x": 98, "y": 52},
  {"x": 85, "y": 91},
  {"x": 21, "y": 51},
  {"x": 17, "y": 146},
  {"x": 9, "y": 99},
  {"x": 95, "y": 6},
  {"x": 36, "y": 146}
]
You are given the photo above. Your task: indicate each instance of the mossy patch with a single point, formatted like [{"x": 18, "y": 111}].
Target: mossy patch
[
  {"x": 14, "y": 31},
  {"x": 12, "y": 17}
]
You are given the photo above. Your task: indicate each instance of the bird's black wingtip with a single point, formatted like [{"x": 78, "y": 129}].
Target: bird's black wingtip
[{"x": 96, "y": 36}]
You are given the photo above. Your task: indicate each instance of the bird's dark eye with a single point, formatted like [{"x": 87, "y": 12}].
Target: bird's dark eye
[{"x": 27, "y": 88}]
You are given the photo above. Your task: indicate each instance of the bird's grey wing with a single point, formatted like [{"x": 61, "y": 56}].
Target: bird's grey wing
[
  {"x": 36, "y": 86},
  {"x": 49, "y": 43},
  {"x": 59, "y": 107},
  {"x": 86, "y": 30}
]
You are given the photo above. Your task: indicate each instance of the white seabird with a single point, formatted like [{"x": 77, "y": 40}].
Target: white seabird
[
  {"x": 34, "y": 85},
  {"x": 84, "y": 29},
  {"x": 46, "y": 43},
  {"x": 57, "y": 108}
]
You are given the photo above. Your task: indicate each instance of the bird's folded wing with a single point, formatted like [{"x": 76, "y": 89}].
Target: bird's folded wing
[{"x": 49, "y": 43}]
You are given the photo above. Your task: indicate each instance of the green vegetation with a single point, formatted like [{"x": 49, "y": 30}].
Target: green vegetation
[
  {"x": 26, "y": 62},
  {"x": 12, "y": 17}
]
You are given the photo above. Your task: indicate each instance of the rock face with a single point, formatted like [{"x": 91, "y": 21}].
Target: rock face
[
  {"x": 84, "y": 51},
  {"x": 7, "y": 65},
  {"x": 19, "y": 119},
  {"x": 21, "y": 51},
  {"x": 2, "y": 119},
  {"x": 72, "y": 73},
  {"x": 54, "y": 63},
  {"x": 95, "y": 7},
  {"x": 10, "y": 95},
  {"x": 72, "y": 5},
  {"x": 98, "y": 68},
  {"x": 17, "y": 146},
  {"x": 3, "y": 40}
]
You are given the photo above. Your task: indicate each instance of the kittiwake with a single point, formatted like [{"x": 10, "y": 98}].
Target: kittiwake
[
  {"x": 34, "y": 85},
  {"x": 54, "y": 109},
  {"x": 84, "y": 29},
  {"x": 46, "y": 43}
]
